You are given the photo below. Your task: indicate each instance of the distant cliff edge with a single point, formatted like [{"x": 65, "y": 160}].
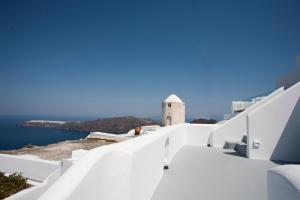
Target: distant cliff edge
[{"x": 117, "y": 125}]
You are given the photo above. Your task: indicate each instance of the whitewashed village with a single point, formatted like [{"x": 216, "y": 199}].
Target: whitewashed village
[{"x": 252, "y": 154}]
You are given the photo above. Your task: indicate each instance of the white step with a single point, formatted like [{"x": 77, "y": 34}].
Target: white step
[
  {"x": 230, "y": 144},
  {"x": 241, "y": 148}
]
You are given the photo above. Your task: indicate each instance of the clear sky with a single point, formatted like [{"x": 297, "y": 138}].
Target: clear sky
[{"x": 114, "y": 58}]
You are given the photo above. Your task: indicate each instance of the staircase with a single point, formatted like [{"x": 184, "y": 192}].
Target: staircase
[{"x": 239, "y": 146}]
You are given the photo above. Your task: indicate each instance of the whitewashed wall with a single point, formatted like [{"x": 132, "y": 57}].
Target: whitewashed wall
[
  {"x": 176, "y": 112},
  {"x": 129, "y": 170},
  {"x": 35, "y": 169},
  {"x": 198, "y": 134},
  {"x": 94, "y": 176},
  {"x": 236, "y": 127},
  {"x": 284, "y": 183},
  {"x": 276, "y": 125},
  {"x": 148, "y": 160}
]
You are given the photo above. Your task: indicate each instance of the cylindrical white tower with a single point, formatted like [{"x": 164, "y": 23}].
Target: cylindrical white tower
[{"x": 173, "y": 111}]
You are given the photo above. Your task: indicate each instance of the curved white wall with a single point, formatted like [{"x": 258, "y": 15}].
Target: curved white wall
[
  {"x": 284, "y": 183},
  {"x": 128, "y": 170},
  {"x": 93, "y": 177},
  {"x": 236, "y": 127},
  {"x": 276, "y": 125}
]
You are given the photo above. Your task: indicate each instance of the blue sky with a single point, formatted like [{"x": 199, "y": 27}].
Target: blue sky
[{"x": 114, "y": 58}]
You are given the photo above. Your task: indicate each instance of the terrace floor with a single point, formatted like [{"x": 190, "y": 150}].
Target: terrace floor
[{"x": 212, "y": 173}]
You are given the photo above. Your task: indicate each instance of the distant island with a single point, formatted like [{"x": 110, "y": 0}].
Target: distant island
[
  {"x": 116, "y": 125},
  {"x": 204, "y": 121}
]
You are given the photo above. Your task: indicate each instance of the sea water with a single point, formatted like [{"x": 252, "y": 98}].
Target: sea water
[{"x": 13, "y": 136}]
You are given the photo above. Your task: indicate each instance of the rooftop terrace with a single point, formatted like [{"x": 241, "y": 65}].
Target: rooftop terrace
[
  {"x": 134, "y": 169},
  {"x": 212, "y": 173}
]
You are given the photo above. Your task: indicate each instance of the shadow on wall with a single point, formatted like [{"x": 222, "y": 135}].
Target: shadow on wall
[{"x": 288, "y": 145}]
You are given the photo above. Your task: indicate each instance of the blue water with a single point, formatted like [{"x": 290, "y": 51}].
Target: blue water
[{"x": 14, "y": 137}]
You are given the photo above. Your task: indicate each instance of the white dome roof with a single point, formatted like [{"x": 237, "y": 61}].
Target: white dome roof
[{"x": 173, "y": 98}]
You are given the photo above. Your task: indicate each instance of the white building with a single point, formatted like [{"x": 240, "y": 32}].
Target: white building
[
  {"x": 233, "y": 160},
  {"x": 173, "y": 111},
  {"x": 240, "y": 106}
]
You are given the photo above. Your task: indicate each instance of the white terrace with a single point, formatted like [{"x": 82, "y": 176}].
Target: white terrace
[
  {"x": 223, "y": 161},
  {"x": 211, "y": 173},
  {"x": 134, "y": 169}
]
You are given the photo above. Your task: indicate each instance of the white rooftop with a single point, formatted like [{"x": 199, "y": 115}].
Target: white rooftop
[
  {"x": 173, "y": 98},
  {"x": 212, "y": 173},
  {"x": 268, "y": 130}
]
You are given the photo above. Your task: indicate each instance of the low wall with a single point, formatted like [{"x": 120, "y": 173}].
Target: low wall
[
  {"x": 36, "y": 191},
  {"x": 284, "y": 183},
  {"x": 93, "y": 177},
  {"x": 129, "y": 170},
  {"x": 276, "y": 126},
  {"x": 198, "y": 134},
  {"x": 149, "y": 159},
  {"x": 34, "y": 169},
  {"x": 236, "y": 127}
]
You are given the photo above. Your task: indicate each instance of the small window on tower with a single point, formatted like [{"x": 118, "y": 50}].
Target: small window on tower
[{"x": 169, "y": 105}]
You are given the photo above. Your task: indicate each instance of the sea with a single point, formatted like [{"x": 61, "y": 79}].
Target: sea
[{"x": 15, "y": 137}]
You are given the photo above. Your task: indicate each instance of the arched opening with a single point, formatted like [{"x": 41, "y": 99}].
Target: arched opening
[{"x": 169, "y": 121}]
